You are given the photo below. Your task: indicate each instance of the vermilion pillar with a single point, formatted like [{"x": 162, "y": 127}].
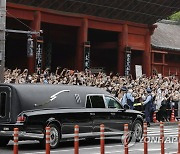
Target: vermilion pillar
[
  {"x": 122, "y": 43},
  {"x": 147, "y": 55},
  {"x": 82, "y": 37},
  {"x": 35, "y": 26}
]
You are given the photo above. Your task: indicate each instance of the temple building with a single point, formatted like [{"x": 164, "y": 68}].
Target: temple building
[
  {"x": 109, "y": 34},
  {"x": 166, "y": 48}
]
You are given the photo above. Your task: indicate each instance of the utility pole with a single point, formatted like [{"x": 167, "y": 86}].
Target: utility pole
[{"x": 2, "y": 38}]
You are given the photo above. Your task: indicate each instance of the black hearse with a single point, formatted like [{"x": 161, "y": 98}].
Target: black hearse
[{"x": 32, "y": 107}]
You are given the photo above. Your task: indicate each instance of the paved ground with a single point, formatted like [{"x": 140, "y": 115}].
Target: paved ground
[{"x": 111, "y": 147}]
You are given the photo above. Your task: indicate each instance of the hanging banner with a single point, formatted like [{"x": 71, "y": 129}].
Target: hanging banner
[
  {"x": 138, "y": 69},
  {"x": 87, "y": 55},
  {"x": 30, "y": 46},
  {"x": 127, "y": 60},
  {"x": 39, "y": 49}
]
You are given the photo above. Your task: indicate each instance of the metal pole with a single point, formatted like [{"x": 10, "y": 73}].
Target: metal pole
[
  {"x": 102, "y": 150},
  {"x": 145, "y": 139},
  {"x": 16, "y": 138},
  {"x": 178, "y": 137},
  {"x": 48, "y": 140},
  {"x": 76, "y": 139},
  {"x": 162, "y": 137},
  {"x": 22, "y": 31},
  {"x": 126, "y": 151},
  {"x": 2, "y": 38}
]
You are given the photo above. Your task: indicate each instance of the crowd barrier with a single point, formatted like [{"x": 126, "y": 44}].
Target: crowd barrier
[
  {"x": 47, "y": 140},
  {"x": 102, "y": 151},
  {"x": 179, "y": 137},
  {"x": 162, "y": 137},
  {"x": 76, "y": 139},
  {"x": 102, "y": 139},
  {"x": 16, "y": 132},
  {"x": 126, "y": 138},
  {"x": 145, "y": 138},
  {"x": 172, "y": 118},
  {"x": 154, "y": 117}
]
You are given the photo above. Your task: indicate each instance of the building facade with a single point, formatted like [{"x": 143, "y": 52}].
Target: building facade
[
  {"x": 166, "y": 48},
  {"x": 115, "y": 45}
]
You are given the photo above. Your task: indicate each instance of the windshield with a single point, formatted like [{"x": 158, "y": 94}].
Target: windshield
[{"x": 112, "y": 103}]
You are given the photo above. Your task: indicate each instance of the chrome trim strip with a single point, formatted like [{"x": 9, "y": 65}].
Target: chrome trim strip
[
  {"x": 92, "y": 134},
  {"x": 64, "y": 136},
  {"x": 22, "y": 134}
]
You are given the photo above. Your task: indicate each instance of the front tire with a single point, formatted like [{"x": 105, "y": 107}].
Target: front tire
[
  {"x": 137, "y": 130},
  {"x": 54, "y": 137}
]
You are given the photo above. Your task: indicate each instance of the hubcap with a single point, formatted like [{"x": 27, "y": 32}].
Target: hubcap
[
  {"x": 54, "y": 137},
  {"x": 138, "y": 131}
]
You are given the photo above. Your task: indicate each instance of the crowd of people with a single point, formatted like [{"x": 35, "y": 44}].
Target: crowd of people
[{"x": 165, "y": 91}]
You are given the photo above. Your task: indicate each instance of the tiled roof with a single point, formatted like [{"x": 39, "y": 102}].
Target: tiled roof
[
  {"x": 166, "y": 35},
  {"x": 139, "y": 11}
]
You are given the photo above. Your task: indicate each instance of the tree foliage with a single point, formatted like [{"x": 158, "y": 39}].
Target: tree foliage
[{"x": 175, "y": 17}]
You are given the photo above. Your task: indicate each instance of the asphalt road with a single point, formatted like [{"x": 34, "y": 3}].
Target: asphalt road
[{"x": 112, "y": 146}]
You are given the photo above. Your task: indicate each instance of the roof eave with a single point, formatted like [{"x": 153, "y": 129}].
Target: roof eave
[{"x": 165, "y": 48}]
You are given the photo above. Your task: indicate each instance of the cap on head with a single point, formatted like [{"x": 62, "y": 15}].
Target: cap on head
[
  {"x": 124, "y": 88},
  {"x": 148, "y": 90}
]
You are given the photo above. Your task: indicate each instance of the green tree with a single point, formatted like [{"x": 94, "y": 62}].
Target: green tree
[{"x": 175, "y": 16}]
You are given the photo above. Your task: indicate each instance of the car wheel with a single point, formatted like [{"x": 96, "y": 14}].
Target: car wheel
[
  {"x": 137, "y": 130},
  {"x": 54, "y": 137}
]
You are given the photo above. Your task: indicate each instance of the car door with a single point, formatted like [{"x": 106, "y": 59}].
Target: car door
[
  {"x": 76, "y": 116},
  {"x": 98, "y": 112},
  {"x": 118, "y": 115}
]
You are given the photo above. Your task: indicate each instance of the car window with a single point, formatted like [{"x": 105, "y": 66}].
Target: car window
[
  {"x": 88, "y": 103},
  {"x": 95, "y": 102},
  {"x": 112, "y": 103},
  {"x": 3, "y": 96}
]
